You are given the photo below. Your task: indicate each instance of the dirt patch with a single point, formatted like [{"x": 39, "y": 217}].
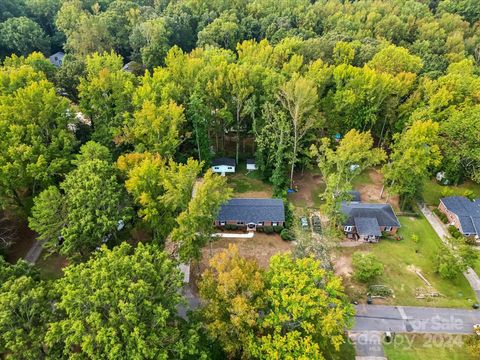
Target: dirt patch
[
  {"x": 254, "y": 194},
  {"x": 343, "y": 266},
  {"x": 371, "y": 192},
  {"x": 23, "y": 240},
  {"x": 306, "y": 185}
]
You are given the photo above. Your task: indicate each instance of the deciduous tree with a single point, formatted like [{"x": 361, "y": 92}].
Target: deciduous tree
[
  {"x": 122, "y": 304},
  {"x": 195, "y": 225},
  {"x": 415, "y": 153},
  {"x": 299, "y": 98},
  {"x": 232, "y": 290}
]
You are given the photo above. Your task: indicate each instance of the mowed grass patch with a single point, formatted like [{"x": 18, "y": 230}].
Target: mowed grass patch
[
  {"x": 245, "y": 182},
  {"x": 432, "y": 191},
  {"x": 402, "y": 258},
  {"x": 427, "y": 346}
]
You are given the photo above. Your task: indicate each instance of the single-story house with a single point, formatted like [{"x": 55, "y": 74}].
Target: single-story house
[
  {"x": 251, "y": 213},
  {"x": 462, "y": 213},
  {"x": 251, "y": 165},
  {"x": 223, "y": 165},
  {"x": 57, "y": 58},
  {"x": 367, "y": 222}
]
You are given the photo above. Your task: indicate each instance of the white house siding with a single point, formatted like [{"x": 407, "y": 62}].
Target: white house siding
[{"x": 223, "y": 169}]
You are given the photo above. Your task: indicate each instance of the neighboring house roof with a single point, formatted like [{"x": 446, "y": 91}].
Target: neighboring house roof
[
  {"x": 468, "y": 212},
  {"x": 57, "y": 58},
  {"x": 133, "y": 67},
  {"x": 223, "y": 161},
  {"x": 367, "y": 226},
  {"x": 252, "y": 210},
  {"x": 250, "y": 161},
  {"x": 354, "y": 196},
  {"x": 383, "y": 213}
]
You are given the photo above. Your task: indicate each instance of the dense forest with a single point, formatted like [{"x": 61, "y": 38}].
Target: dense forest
[{"x": 295, "y": 84}]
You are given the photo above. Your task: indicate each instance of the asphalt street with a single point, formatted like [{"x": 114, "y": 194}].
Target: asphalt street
[{"x": 408, "y": 319}]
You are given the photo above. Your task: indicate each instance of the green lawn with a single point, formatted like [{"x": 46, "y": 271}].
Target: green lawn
[
  {"x": 242, "y": 181},
  {"x": 398, "y": 258},
  {"x": 316, "y": 192},
  {"x": 432, "y": 191},
  {"x": 362, "y": 179},
  {"x": 419, "y": 347}
]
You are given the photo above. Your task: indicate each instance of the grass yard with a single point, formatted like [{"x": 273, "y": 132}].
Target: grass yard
[
  {"x": 362, "y": 179},
  {"x": 401, "y": 259},
  {"x": 248, "y": 184},
  {"x": 428, "y": 346},
  {"x": 432, "y": 191}
]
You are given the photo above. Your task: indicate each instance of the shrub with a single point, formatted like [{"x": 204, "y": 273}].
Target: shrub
[
  {"x": 441, "y": 215},
  {"x": 278, "y": 229},
  {"x": 448, "y": 266},
  {"x": 367, "y": 267},
  {"x": 260, "y": 229},
  {"x": 268, "y": 229},
  {"x": 446, "y": 192},
  {"x": 415, "y": 238},
  {"x": 454, "y": 232},
  {"x": 469, "y": 194},
  {"x": 287, "y": 235},
  {"x": 288, "y": 215},
  {"x": 231, "y": 227}
]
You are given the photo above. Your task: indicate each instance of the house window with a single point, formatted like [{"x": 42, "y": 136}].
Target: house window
[
  {"x": 222, "y": 223},
  {"x": 274, "y": 224},
  {"x": 216, "y": 168},
  {"x": 229, "y": 168},
  {"x": 388, "y": 228},
  {"x": 240, "y": 223},
  {"x": 348, "y": 228},
  {"x": 260, "y": 223}
]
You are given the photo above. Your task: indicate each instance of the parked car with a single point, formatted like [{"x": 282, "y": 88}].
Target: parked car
[
  {"x": 304, "y": 222},
  {"x": 316, "y": 224}
]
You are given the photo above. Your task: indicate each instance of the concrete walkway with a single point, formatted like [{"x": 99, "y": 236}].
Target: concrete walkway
[
  {"x": 248, "y": 235},
  {"x": 34, "y": 252},
  {"x": 442, "y": 232},
  {"x": 368, "y": 345}
]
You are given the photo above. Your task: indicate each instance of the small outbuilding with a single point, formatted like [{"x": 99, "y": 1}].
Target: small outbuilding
[
  {"x": 57, "y": 58},
  {"x": 223, "y": 165},
  {"x": 251, "y": 165}
]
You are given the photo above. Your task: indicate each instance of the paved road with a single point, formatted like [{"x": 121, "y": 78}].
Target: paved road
[
  {"x": 404, "y": 319},
  {"x": 442, "y": 232}
]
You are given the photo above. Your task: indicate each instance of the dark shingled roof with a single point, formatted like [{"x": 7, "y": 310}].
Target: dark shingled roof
[
  {"x": 468, "y": 212},
  {"x": 252, "y": 210},
  {"x": 250, "y": 161},
  {"x": 383, "y": 213},
  {"x": 367, "y": 226},
  {"x": 223, "y": 161}
]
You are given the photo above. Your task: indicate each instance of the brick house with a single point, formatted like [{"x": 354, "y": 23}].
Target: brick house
[
  {"x": 367, "y": 222},
  {"x": 462, "y": 213},
  {"x": 251, "y": 213}
]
